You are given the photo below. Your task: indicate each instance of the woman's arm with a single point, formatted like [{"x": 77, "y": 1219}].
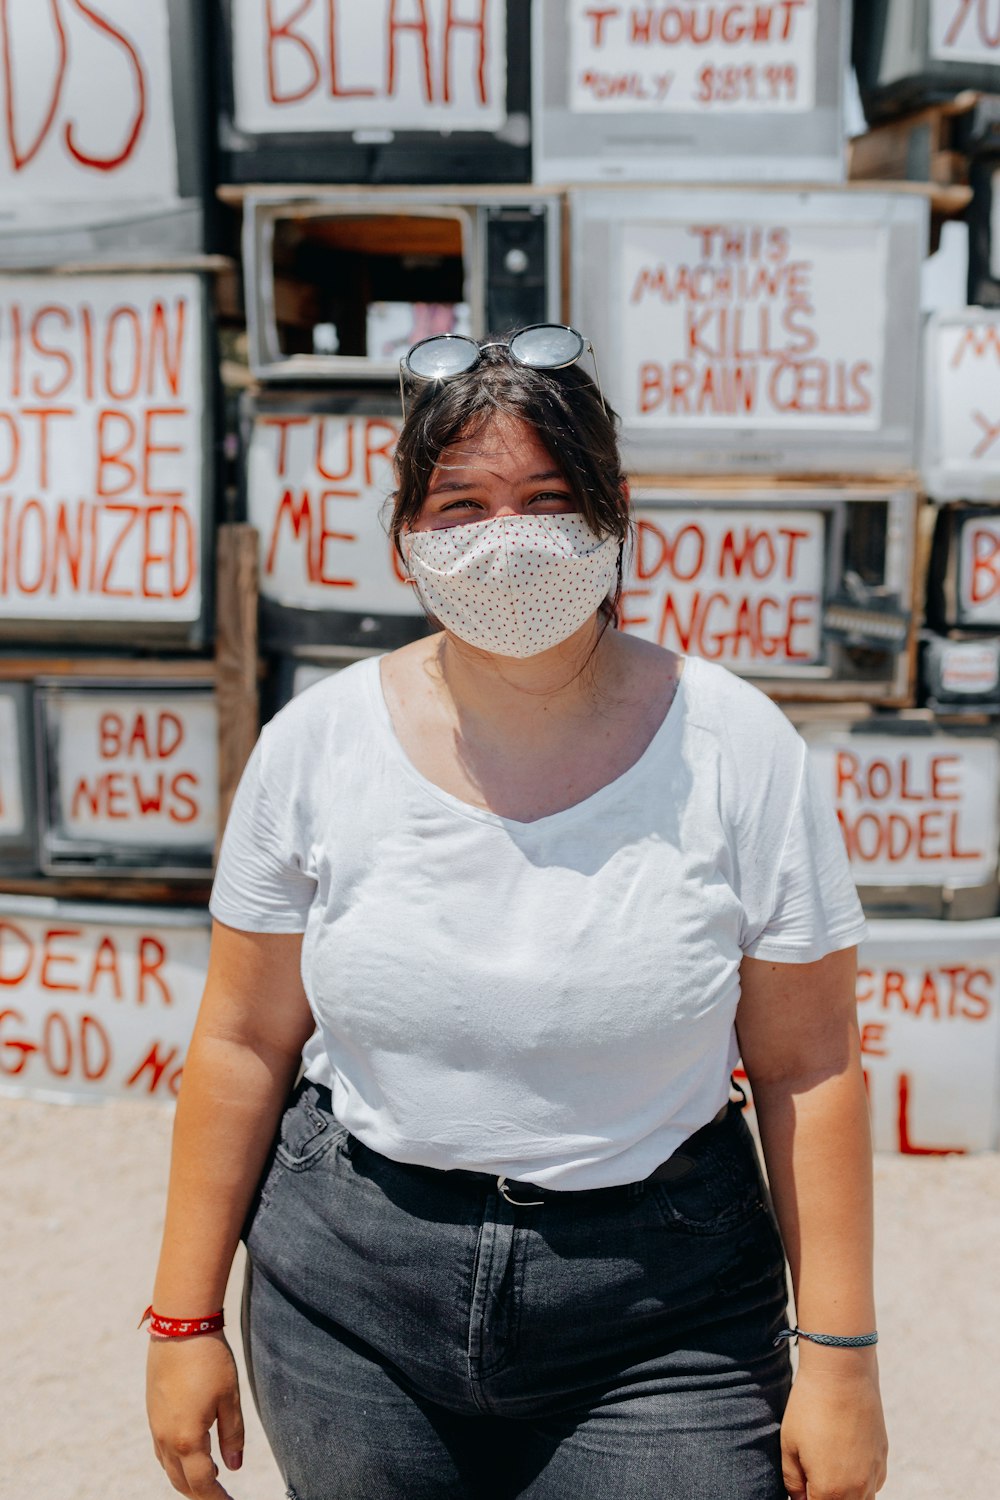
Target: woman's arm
[
  {"x": 253, "y": 1022},
  {"x": 798, "y": 1035}
]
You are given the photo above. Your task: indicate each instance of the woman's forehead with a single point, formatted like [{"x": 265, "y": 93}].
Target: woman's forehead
[{"x": 503, "y": 444}]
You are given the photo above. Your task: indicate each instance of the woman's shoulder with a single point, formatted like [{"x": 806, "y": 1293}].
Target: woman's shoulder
[
  {"x": 743, "y": 717},
  {"x": 315, "y": 713}
]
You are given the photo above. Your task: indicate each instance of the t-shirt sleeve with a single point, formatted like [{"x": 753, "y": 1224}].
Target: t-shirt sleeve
[
  {"x": 260, "y": 883},
  {"x": 815, "y": 908}
]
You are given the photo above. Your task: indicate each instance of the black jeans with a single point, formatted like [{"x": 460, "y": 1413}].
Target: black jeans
[{"x": 413, "y": 1336}]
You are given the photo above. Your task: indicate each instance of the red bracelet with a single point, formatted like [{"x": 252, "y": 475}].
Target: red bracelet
[{"x": 181, "y": 1328}]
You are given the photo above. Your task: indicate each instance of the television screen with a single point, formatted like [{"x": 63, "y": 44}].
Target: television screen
[
  {"x": 106, "y": 405},
  {"x": 100, "y": 1000},
  {"x": 766, "y": 329},
  {"x": 339, "y": 283},
  {"x": 376, "y": 92},
  {"x": 105, "y": 118},
  {"x": 695, "y": 93}
]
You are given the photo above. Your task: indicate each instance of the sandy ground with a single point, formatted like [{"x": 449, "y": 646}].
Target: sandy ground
[{"x": 83, "y": 1191}]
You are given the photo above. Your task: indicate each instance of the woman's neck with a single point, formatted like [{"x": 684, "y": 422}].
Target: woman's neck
[{"x": 533, "y": 692}]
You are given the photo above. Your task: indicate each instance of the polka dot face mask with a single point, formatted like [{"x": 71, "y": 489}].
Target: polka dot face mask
[{"x": 516, "y": 585}]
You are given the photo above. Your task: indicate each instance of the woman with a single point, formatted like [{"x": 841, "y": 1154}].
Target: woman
[{"x": 523, "y": 891}]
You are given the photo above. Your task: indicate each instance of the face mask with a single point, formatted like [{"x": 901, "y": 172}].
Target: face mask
[{"x": 513, "y": 586}]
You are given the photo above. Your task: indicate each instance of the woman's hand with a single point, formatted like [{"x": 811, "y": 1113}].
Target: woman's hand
[
  {"x": 191, "y": 1386},
  {"x": 833, "y": 1439}
]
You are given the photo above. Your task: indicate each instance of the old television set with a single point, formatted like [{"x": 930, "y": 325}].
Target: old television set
[
  {"x": 963, "y": 587},
  {"x": 324, "y": 91},
  {"x": 107, "y": 495},
  {"x": 960, "y": 673},
  {"x": 127, "y": 777},
  {"x": 805, "y": 590},
  {"x": 961, "y": 419},
  {"x": 984, "y": 233},
  {"x": 18, "y": 823},
  {"x": 770, "y": 330},
  {"x": 339, "y": 283},
  {"x": 689, "y": 93},
  {"x": 913, "y": 52},
  {"x": 316, "y": 475},
  {"x": 918, "y": 804},
  {"x": 101, "y": 1000},
  {"x": 107, "y": 123}
]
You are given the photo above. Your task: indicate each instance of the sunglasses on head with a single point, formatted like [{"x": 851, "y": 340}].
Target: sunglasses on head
[{"x": 540, "y": 346}]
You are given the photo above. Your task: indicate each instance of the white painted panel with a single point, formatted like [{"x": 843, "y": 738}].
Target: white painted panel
[
  {"x": 752, "y": 325},
  {"x": 914, "y": 810},
  {"x": 340, "y": 65},
  {"x": 11, "y": 769},
  {"x": 317, "y": 487},
  {"x": 714, "y": 58},
  {"x": 97, "y": 1005},
  {"x": 87, "y": 106},
  {"x": 965, "y": 30},
  {"x": 929, "y": 1015},
  {"x": 929, "y": 1010},
  {"x": 969, "y": 668},
  {"x": 136, "y": 770},
  {"x": 740, "y": 586},
  {"x": 102, "y": 411},
  {"x": 963, "y": 385},
  {"x": 979, "y": 571}
]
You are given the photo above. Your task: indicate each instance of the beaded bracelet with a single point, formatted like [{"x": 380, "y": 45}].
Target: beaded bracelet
[
  {"x": 181, "y": 1328},
  {"x": 834, "y": 1340}
]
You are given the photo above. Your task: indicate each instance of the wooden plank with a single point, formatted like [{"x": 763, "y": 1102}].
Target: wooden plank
[
  {"x": 787, "y": 485},
  {"x": 236, "y": 659},
  {"x": 209, "y": 264},
  {"x": 106, "y": 886},
  {"x": 139, "y": 669}
]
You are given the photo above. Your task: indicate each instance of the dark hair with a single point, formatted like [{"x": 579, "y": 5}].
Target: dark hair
[{"x": 563, "y": 406}]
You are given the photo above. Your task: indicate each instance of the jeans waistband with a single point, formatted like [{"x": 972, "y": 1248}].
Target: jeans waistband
[{"x": 528, "y": 1194}]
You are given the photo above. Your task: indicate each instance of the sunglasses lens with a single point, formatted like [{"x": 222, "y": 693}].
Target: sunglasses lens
[
  {"x": 549, "y": 346},
  {"x": 441, "y": 357}
]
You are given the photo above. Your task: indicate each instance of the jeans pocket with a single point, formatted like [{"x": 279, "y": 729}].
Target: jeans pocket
[
  {"x": 723, "y": 1190},
  {"x": 306, "y": 1135}
]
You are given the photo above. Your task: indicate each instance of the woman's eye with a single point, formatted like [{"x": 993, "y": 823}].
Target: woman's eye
[{"x": 553, "y": 497}]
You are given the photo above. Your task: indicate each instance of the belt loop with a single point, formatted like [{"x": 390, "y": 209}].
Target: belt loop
[{"x": 504, "y": 1189}]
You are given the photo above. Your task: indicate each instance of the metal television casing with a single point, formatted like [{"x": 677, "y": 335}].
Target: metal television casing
[
  {"x": 319, "y": 263},
  {"x": 689, "y": 93},
  {"x": 754, "y": 330}
]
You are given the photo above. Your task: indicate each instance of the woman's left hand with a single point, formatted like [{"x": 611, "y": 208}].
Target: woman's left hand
[{"x": 833, "y": 1438}]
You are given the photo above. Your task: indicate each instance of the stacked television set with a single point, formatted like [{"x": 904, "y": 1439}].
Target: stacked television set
[{"x": 107, "y": 513}]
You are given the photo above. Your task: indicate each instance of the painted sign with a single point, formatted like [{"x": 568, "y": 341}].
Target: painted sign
[
  {"x": 712, "y": 57},
  {"x": 969, "y": 669},
  {"x": 132, "y": 770},
  {"x": 965, "y": 30},
  {"x": 12, "y": 817},
  {"x": 963, "y": 396},
  {"x": 741, "y": 585},
  {"x": 331, "y": 65},
  {"x": 87, "y": 104},
  {"x": 751, "y": 325},
  {"x": 928, "y": 1008},
  {"x": 979, "y": 570},
  {"x": 317, "y": 486},
  {"x": 929, "y": 1017},
  {"x": 102, "y": 412},
  {"x": 97, "y": 1003},
  {"x": 915, "y": 810}
]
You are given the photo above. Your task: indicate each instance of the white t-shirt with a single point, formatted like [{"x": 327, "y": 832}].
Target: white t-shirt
[{"x": 551, "y": 1001}]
